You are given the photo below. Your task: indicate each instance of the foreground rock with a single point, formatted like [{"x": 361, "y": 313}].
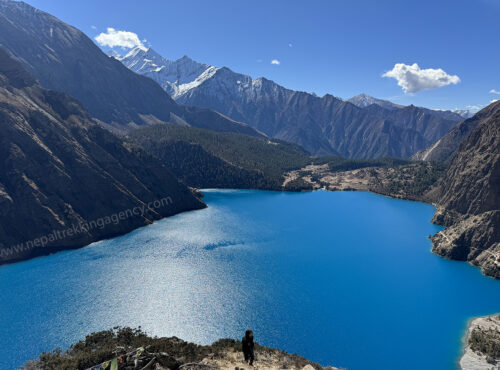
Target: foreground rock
[
  {"x": 482, "y": 344},
  {"x": 133, "y": 349}
]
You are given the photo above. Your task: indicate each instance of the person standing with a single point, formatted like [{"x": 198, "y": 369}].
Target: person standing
[{"x": 247, "y": 346}]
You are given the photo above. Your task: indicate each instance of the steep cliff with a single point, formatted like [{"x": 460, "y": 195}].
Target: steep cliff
[{"x": 468, "y": 197}]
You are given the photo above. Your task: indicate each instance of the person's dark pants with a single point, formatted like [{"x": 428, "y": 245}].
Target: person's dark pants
[{"x": 249, "y": 355}]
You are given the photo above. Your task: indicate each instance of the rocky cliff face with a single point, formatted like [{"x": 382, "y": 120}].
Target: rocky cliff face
[
  {"x": 62, "y": 58},
  {"x": 468, "y": 197},
  {"x": 324, "y": 125},
  {"x": 66, "y": 182}
]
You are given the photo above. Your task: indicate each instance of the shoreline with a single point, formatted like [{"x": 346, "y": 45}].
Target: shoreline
[
  {"x": 465, "y": 237},
  {"x": 50, "y": 250},
  {"x": 45, "y": 251},
  {"x": 369, "y": 187}
]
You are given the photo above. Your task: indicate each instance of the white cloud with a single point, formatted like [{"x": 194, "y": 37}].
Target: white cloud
[
  {"x": 413, "y": 79},
  {"x": 474, "y": 107},
  {"x": 493, "y": 91},
  {"x": 113, "y": 38},
  {"x": 93, "y": 27},
  {"x": 276, "y": 62}
]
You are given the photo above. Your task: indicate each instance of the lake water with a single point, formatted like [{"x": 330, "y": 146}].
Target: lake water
[{"x": 343, "y": 278}]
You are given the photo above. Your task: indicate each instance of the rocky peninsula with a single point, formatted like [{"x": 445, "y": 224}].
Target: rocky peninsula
[{"x": 482, "y": 344}]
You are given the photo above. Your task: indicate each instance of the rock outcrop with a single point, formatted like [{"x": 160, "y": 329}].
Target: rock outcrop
[
  {"x": 65, "y": 182},
  {"x": 468, "y": 197},
  {"x": 474, "y": 239}
]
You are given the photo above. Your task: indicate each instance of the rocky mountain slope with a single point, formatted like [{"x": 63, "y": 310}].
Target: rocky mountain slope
[
  {"x": 468, "y": 198},
  {"x": 322, "y": 126},
  {"x": 62, "y": 58},
  {"x": 65, "y": 181}
]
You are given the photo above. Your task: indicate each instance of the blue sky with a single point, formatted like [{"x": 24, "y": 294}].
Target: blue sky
[{"x": 341, "y": 47}]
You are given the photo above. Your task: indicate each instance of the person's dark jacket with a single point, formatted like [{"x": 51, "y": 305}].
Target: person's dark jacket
[{"x": 247, "y": 345}]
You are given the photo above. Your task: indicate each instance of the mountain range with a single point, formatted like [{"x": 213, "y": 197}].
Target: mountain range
[
  {"x": 364, "y": 100},
  {"x": 60, "y": 96},
  {"x": 63, "y": 58},
  {"x": 363, "y": 127}
]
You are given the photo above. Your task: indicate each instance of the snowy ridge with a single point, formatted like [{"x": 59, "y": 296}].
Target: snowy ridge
[
  {"x": 181, "y": 76},
  {"x": 322, "y": 125},
  {"x": 465, "y": 113},
  {"x": 173, "y": 76},
  {"x": 364, "y": 100}
]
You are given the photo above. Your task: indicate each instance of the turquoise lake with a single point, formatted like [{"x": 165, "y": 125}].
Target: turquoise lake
[{"x": 343, "y": 278}]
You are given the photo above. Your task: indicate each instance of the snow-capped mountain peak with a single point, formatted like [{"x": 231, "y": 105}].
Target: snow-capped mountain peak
[
  {"x": 465, "y": 113},
  {"x": 364, "y": 100},
  {"x": 172, "y": 75}
]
